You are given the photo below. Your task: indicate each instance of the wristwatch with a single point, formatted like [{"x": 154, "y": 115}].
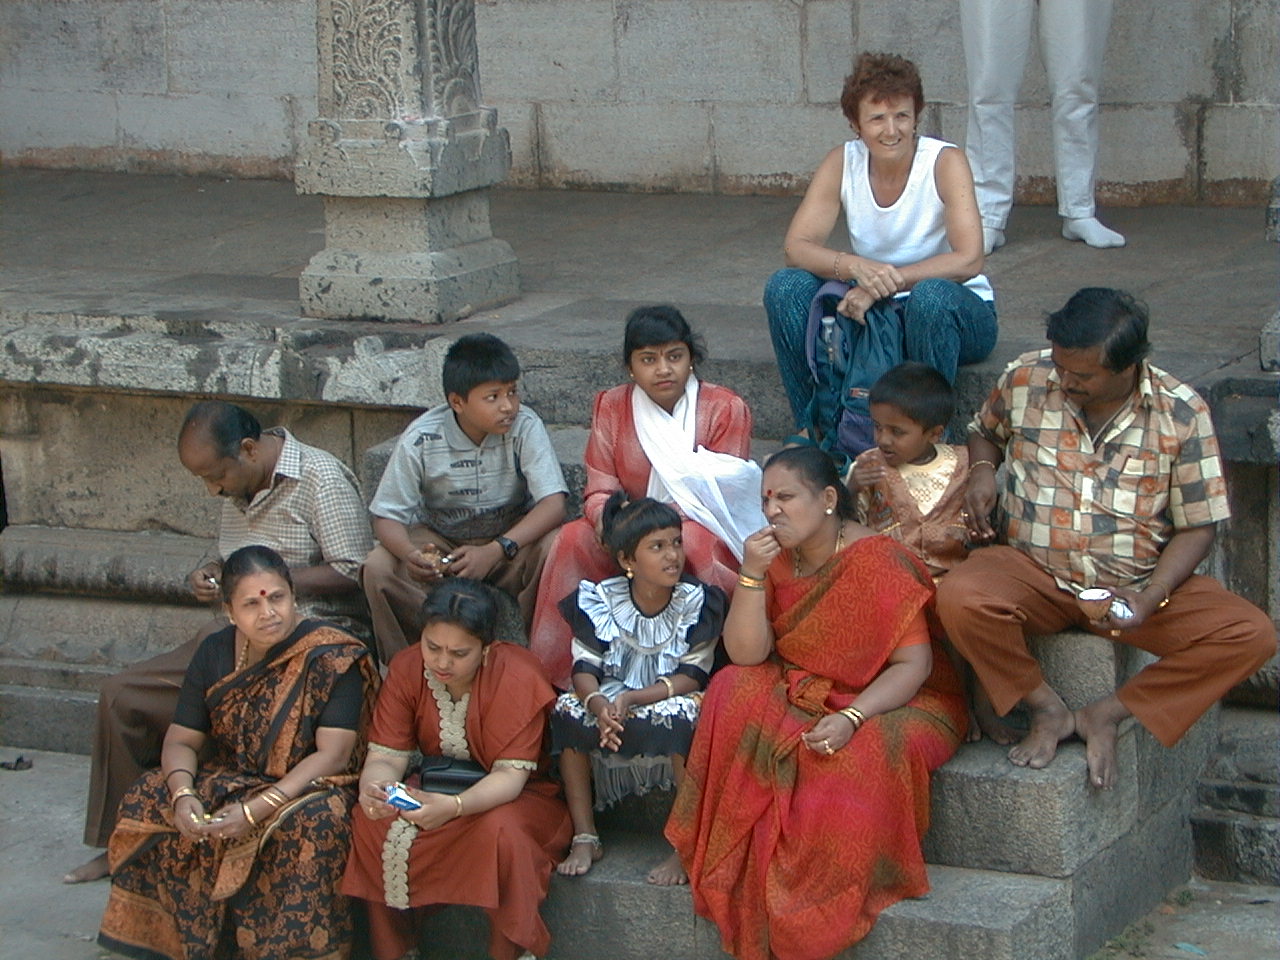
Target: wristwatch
[{"x": 509, "y": 546}]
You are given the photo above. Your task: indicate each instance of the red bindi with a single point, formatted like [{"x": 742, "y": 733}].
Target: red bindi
[
  {"x": 262, "y": 593},
  {"x": 768, "y": 494}
]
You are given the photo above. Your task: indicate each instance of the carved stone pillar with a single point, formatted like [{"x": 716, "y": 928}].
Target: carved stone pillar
[{"x": 403, "y": 154}]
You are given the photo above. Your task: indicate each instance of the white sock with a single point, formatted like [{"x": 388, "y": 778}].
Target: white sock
[
  {"x": 1091, "y": 232},
  {"x": 992, "y": 239}
]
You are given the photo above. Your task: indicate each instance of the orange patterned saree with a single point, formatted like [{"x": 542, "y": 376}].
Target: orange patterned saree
[{"x": 792, "y": 853}]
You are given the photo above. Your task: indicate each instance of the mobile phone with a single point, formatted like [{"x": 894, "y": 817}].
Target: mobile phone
[{"x": 398, "y": 797}]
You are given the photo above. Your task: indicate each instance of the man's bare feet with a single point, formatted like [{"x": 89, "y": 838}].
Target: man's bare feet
[
  {"x": 89, "y": 871},
  {"x": 585, "y": 850},
  {"x": 1098, "y": 725},
  {"x": 669, "y": 873},
  {"x": 1051, "y": 723}
]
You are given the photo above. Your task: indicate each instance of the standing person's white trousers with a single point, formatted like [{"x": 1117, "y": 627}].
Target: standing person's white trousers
[{"x": 1073, "y": 39}]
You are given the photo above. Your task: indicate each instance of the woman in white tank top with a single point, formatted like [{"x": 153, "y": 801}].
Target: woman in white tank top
[{"x": 914, "y": 229}]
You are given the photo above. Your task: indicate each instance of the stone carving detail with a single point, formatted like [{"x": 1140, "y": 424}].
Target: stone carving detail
[
  {"x": 369, "y": 52},
  {"x": 449, "y": 34}
]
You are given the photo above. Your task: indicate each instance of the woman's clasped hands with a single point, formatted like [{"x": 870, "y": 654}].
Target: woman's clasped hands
[{"x": 227, "y": 824}]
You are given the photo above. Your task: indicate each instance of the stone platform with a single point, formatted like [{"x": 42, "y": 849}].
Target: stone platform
[{"x": 124, "y": 298}]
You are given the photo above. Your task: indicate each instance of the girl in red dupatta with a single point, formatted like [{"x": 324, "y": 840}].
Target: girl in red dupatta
[
  {"x": 807, "y": 788},
  {"x": 460, "y": 694},
  {"x": 277, "y": 705}
]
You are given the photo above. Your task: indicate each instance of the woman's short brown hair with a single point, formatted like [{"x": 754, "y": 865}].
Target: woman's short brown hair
[{"x": 880, "y": 76}]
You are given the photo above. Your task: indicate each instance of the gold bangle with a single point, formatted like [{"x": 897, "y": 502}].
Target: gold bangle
[
  {"x": 671, "y": 687},
  {"x": 457, "y": 798},
  {"x": 990, "y": 463},
  {"x": 274, "y": 797},
  {"x": 248, "y": 814},
  {"x": 835, "y": 267},
  {"x": 586, "y": 701},
  {"x": 751, "y": 583},
  {"x": 1167, "y": 592},
  {"x": 854, "y": 716},
  {"x": 180, "y": 793}
]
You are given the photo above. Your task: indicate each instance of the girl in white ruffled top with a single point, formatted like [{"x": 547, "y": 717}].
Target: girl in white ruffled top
[{"x": 643, "y": 648}]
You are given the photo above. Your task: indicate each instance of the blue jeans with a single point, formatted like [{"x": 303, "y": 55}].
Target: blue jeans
[{"x": 946, "y": 325}]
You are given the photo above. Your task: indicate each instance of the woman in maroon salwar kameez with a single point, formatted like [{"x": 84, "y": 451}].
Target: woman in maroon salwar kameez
[{"x": 457, "y": 693}]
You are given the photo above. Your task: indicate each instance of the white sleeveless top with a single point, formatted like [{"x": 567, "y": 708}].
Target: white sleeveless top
[{"x": 911, "y": 229}]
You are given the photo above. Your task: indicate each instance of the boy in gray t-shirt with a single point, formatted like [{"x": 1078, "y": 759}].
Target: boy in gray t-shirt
[{"x": 473, "y": 489}]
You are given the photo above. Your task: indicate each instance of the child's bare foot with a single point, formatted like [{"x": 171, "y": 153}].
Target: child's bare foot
[
  {"x": 89, "y": 871},
  {"x": 585, "y": 850},
  {"x": 1050, "y": 725},
  {"x": 985, "y": 722},
  {"x": 669, "y": 873},
  {"x": 1098, "y": 725}
]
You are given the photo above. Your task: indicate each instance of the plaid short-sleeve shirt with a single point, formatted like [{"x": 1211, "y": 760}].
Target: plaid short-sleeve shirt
[
  {"x": 1101, "y": 515},
  {"x": 311, "y": 514}
]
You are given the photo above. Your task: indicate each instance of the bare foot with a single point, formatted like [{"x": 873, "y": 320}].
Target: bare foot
[
  {"x": 985, "y": 722},
  {"x": 1049, "y": 726},
  {"x": 89, "y": 871},
  {"x": 669, "y": 873},
  {"x": 1098, "y": 728},
  {"x": 583, "y": 853}
]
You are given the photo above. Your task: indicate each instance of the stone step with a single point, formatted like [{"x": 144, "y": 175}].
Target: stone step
[
  {"x": 988, "y": 814},
  {"x": 70, "y": 630},
  {"x": 122, "y": 565},
  {"x": 40, "y": 718},
  {"x": 1236, "y": 824},
  {"x": 612, "y": 912},
  {"x": 1235, "y": 846}
]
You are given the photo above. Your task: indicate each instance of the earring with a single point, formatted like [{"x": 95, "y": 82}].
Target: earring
[
  {"x": 830, "y": 511},
  {"x": 630, "y": 575}
]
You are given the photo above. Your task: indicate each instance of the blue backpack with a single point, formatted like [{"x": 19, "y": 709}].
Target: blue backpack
[{"x": 846, "y": 358}]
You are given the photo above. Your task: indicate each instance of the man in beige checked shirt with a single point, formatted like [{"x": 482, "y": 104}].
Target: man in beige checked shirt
[
  {"x": 1113, "y": 480},
  {"x": 298, "y": 500}
]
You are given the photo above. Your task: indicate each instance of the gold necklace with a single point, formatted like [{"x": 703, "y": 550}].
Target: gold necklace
[
  {"x": 795, "y": 557},
  {"x": 243, "y": 660}
]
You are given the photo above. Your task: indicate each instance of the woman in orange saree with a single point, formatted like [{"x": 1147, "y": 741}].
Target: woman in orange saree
[
  {"x": 276, "y": 706},
  {"x": 807, "y": 787}
]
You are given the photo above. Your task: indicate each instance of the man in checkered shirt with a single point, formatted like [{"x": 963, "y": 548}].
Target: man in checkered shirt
[
  {"x": 1112, "y": 479},
  {"x": 298, "y": 500}
]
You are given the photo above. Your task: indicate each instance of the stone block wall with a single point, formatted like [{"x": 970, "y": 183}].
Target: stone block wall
[
  {"x": 729, "y": 96},
  {"x": 189, "y": 86}
]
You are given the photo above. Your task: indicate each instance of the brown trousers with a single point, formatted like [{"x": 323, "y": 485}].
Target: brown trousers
[
  {"x": 1207, "y": 638},
  {"x": 395, "y": 599},
  {"x": 135, "y": 708}
]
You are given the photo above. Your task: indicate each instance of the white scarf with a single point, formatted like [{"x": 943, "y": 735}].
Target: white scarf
[{"x": 718, "y": 490}]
